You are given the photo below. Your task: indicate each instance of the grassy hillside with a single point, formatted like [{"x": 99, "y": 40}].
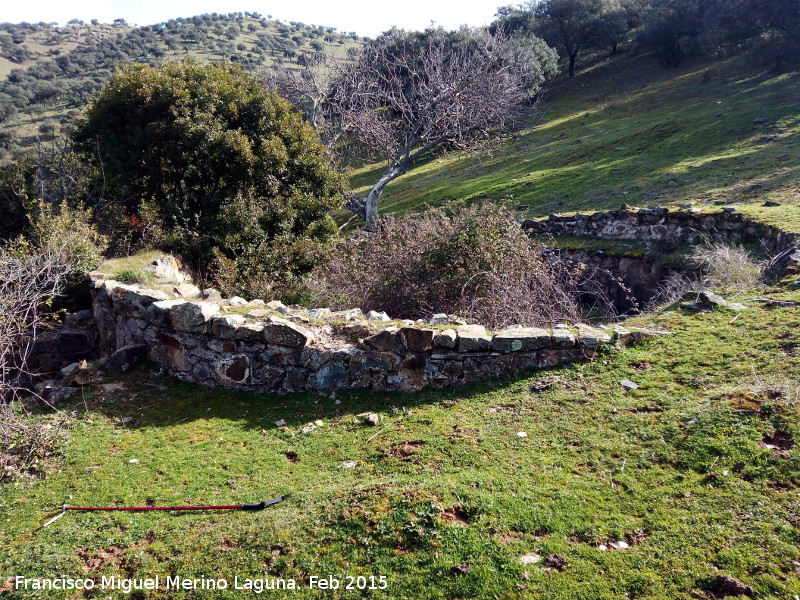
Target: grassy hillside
[
  {"x": 445, "y": 496},
  {"x": 48, "y": 73},
  {"x": 625, "y": 130}
]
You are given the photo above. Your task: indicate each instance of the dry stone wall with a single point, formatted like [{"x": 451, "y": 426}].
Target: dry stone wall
[
  {"x": 210, "y": 344},
  {"x": 662, "y": 224}
]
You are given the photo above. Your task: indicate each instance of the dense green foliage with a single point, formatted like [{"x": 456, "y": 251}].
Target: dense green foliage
[
  {"x": 211, "y": 165},
  {"x": 670, "y": 29}
]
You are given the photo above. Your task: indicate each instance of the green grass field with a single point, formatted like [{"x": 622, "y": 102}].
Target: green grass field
[{"x": 446, "y": 499}]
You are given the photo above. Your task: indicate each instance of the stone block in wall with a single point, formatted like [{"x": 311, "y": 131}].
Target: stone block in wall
[
  {"x": 233, "y": 369},
  {"x": 251, "y": 333},
  {"x": 280, "y": 332},
  {"x": 472, "y": 338},
  {"x": 521, "y": 339},
  {"x": 137, "y": 301},
  {"x": 563, "y": 338},
  {"x": 416, "y": 340},
  {"x": 446, "y": 339},
  {"x": 330, "y": 376},
  {"x": 375, "y": 361},
  {"x": 383, "y": 341},
  {"x": 82, "y": 318},
  {"x": 74, "y": 341},
  {"x": 192, "y": 316},
  {"x": 591, "y": 337},
  {"x": 126, "y": 358},
  {"x": 225, "y": 327},
  {"x": 170, "y": 352}
]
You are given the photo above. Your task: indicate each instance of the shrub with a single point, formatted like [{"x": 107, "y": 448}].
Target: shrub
[
  {"x": 26, "y": 443},
  {"x": 727, "y": 268},
  {"x": 215, "y": 167},
  {"x": 68, "y": 231},
  {"x": 477, "y": 263}
]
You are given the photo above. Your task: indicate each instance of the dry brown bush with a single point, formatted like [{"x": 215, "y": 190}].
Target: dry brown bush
[
  {"x": 476, "y": 262},
  {"x": 725, "y": 268}
]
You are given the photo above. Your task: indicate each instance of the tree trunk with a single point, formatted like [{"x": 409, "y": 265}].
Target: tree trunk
[
  {"x": 367, "y": 208},
  {"x": 572, "y": 58}
]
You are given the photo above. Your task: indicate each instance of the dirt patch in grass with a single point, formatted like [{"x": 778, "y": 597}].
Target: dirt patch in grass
[
  {"x": 790, "y": 347},
  {"x": 545, "y": 383},
  {"x": 751, "y": 400},
  {"x": 291, "y": 457},
  {"x": 501, "y": 409},
  {"x": 228, "y": 545},
  {"x": 637, "y": 536},
  {"x": 456, "y": 515},
  {"x": 779, "y": 487},
  {"x": 98, "y": 560},
  {"x": 779, "y": 443},
  {"x": 404, "y": 450},
  {"x": 642, "y": 366}
]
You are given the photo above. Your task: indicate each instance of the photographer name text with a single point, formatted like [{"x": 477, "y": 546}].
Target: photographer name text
[{"x": 256, "y": 585}]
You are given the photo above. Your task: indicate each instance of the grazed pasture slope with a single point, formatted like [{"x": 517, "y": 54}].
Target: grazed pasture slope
[{"x": 627, "y": 131}]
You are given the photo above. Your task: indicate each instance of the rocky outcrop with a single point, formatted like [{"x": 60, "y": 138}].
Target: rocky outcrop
[{"x": 209, "y": 344}]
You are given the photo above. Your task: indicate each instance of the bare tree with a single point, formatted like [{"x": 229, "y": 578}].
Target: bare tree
[
  {"x": 408, "y": 94},
  {"x": 309, "y": 87},
  {"x": 28, "y": 281}
]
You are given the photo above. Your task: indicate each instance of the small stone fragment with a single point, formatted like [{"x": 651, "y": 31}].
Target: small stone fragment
[
  {"x": 378, "y": 316},
  {"x": 318, "y": 313},
  {"x": 530, "y": 558},
  {"x": 187, "y": 291},
  {"x": 619, "y": 545},
  {"x": 211, "y": 295},
  {"x": 438, "y": 319},
  {"x": 371, "y": 419},
  {"x": 710, "y": 300},
  {"x": 346, "y": 315},
  {"x": 236, "y": 301},
  {"x": 280, "y": 422},
  {"x": 628, "y": 384},
  {"x": 278, "y": 306},
  {"x": 522, "y": 434},
  {"x": 348, "y": 464}
]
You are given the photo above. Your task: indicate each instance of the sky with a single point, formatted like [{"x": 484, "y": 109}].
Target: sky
[{"x": 365, "y": 17}]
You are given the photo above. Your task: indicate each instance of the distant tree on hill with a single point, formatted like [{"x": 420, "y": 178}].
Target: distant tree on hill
[
  {"x": 672, "y": 29},
  {"x": 222, "y": 170}
]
